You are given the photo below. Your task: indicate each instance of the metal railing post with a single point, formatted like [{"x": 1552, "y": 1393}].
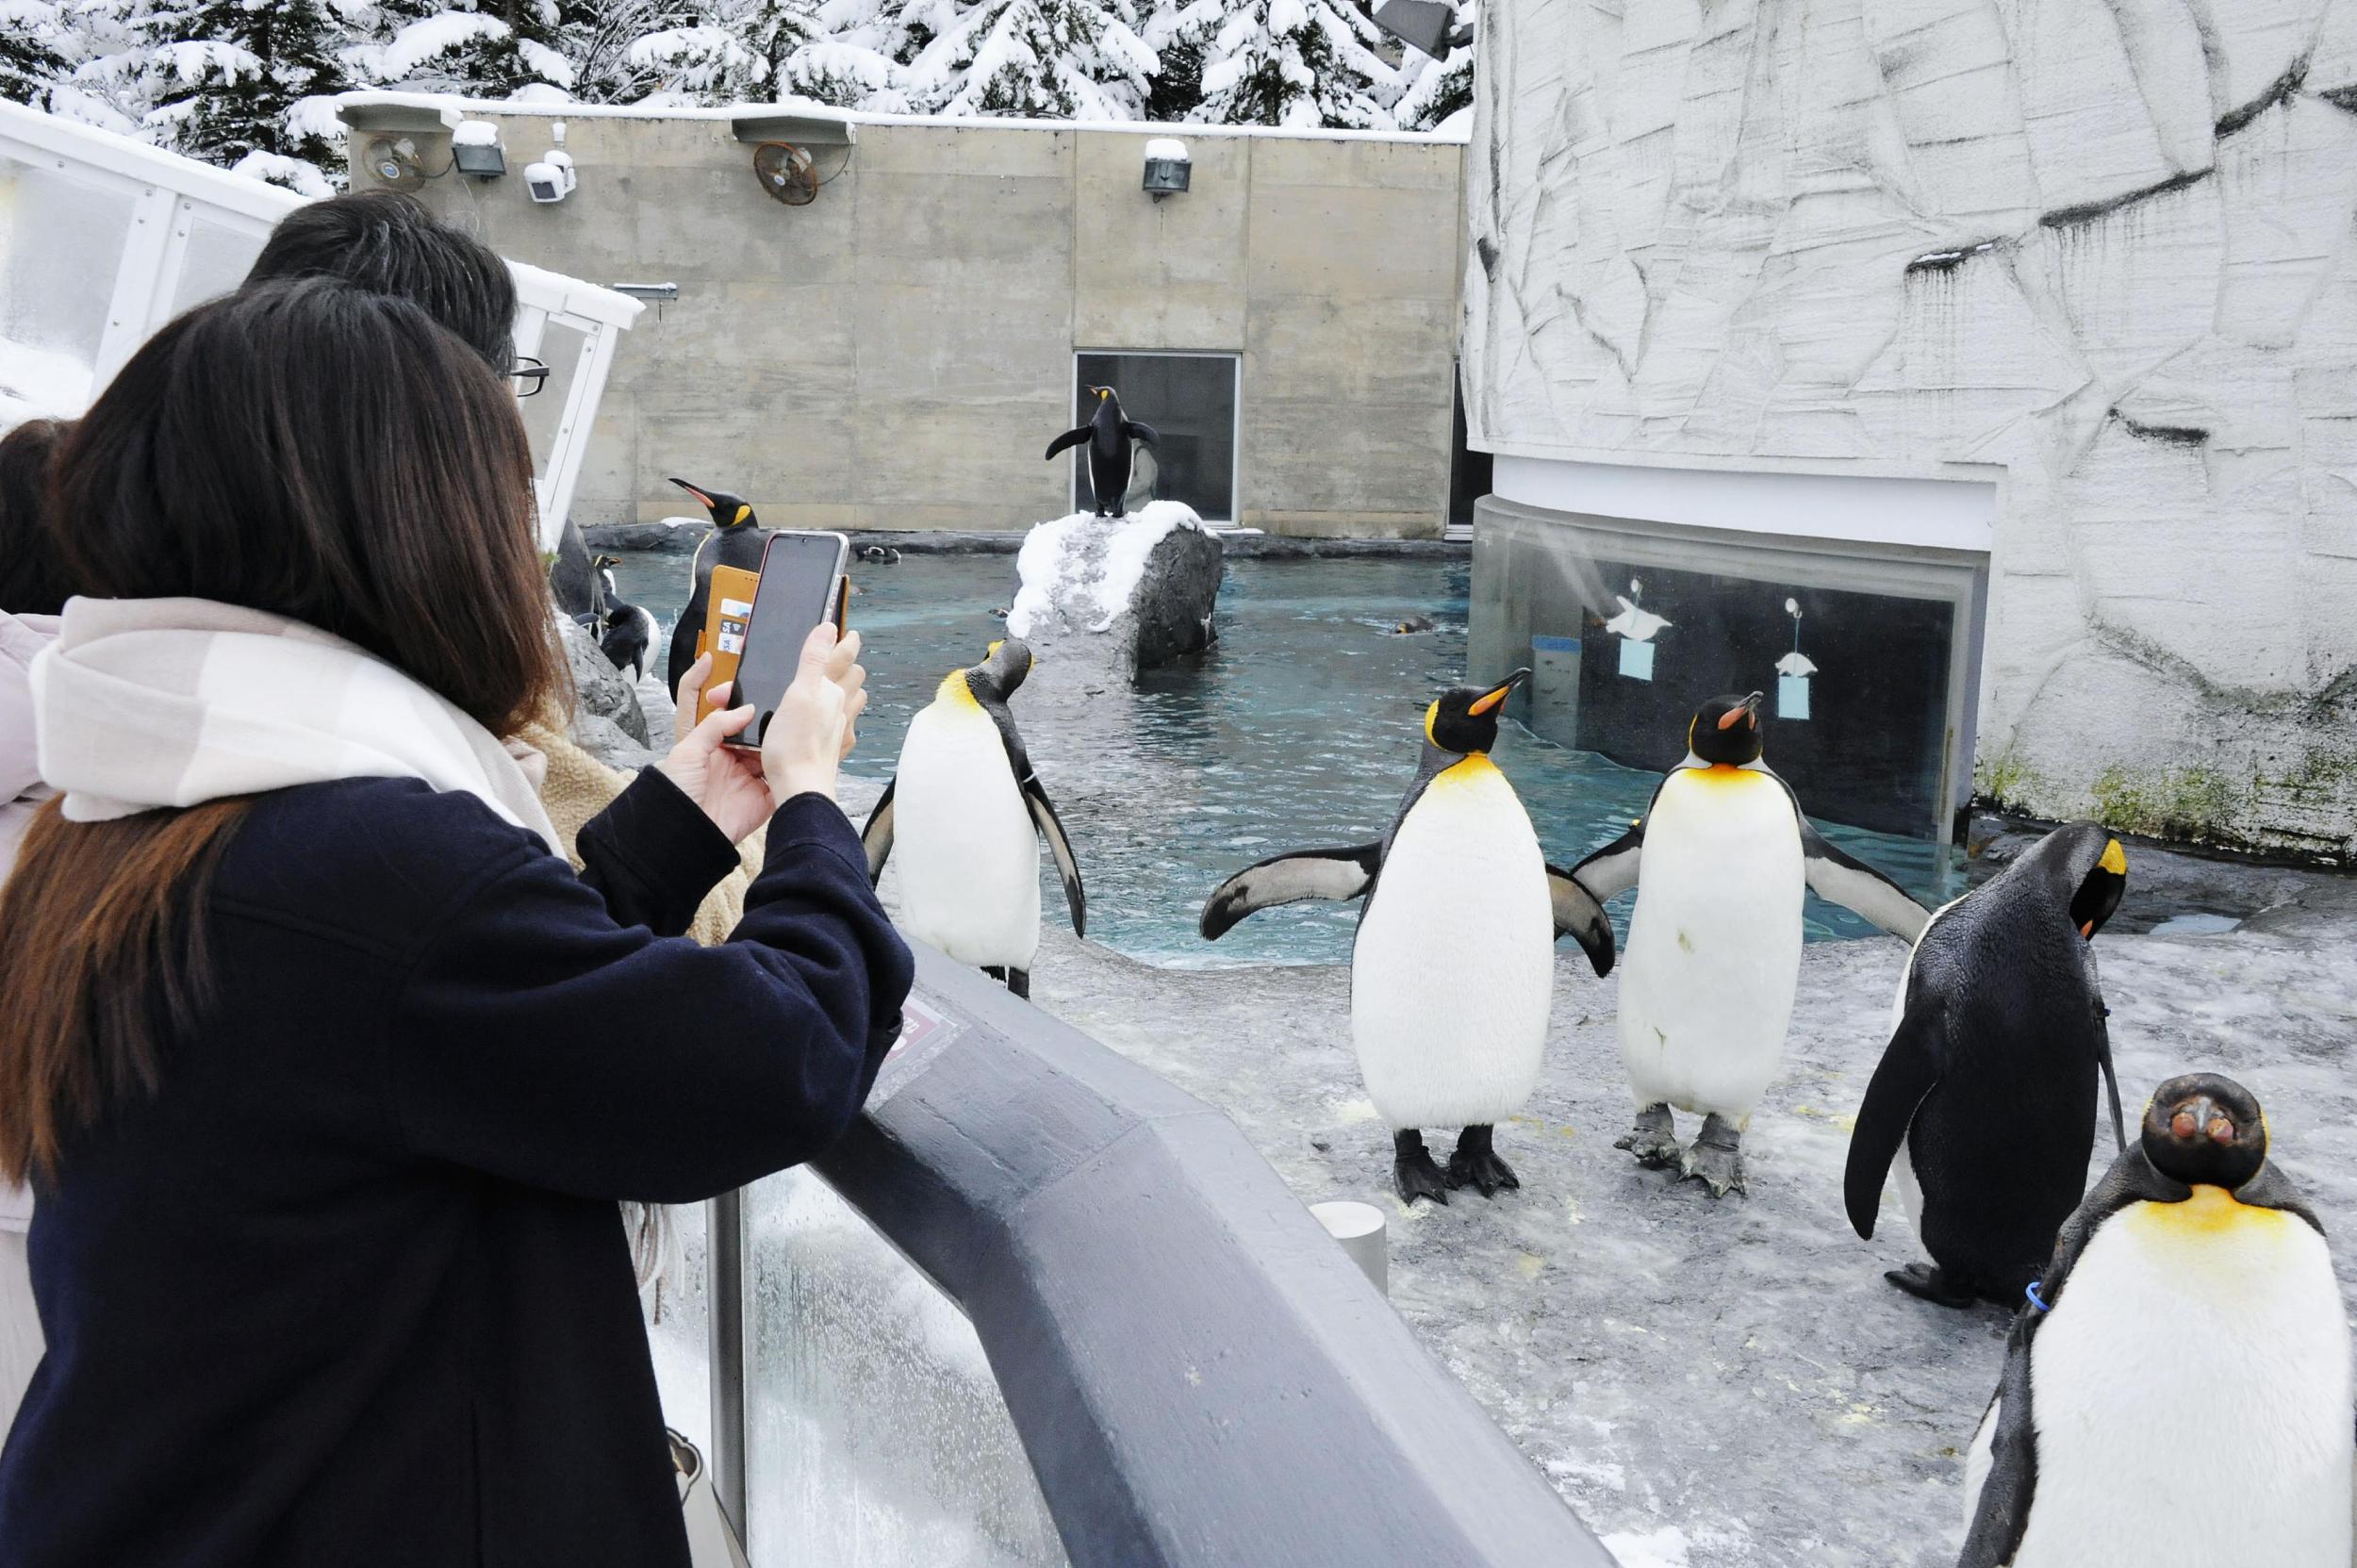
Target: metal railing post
[{"x": 725, "y": 1257}]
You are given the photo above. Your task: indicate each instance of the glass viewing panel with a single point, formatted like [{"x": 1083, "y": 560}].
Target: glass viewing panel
[
  {"x": 1189, "y": 400},
  {"x": 876, "y": 1436},
  {"x": 217, "y": 257},
  {"x": 61, "y": 242}
]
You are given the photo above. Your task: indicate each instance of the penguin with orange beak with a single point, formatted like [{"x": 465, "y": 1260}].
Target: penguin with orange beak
[
  {"x": 737, "y": 539},
  {"x": 1719, "y": 860},
  {"x": 1452, "y": 972}
]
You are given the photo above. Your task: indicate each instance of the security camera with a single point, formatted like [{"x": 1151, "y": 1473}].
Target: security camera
[{"x": 552, "y": 178}]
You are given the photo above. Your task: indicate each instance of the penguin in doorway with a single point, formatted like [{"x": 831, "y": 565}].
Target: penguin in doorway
[
  {"x": 625, "y": 632},
  {"x": 1720, "y": 859},
  {"x": 2177, "y": 1387},
  {"x": 1452, "y": 972},
  {"x": 1111, "y": 440},
  {"x": 737, "y": 539},
  {"x": 1984, "y": 1102},
  {"x": 966, "y": 812}
]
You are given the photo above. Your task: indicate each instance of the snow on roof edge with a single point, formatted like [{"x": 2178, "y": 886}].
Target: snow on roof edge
[{"x": 812, "y": 110}]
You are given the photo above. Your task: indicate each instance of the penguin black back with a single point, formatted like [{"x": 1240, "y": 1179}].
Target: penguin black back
[
  {"x": 737, "y": 539},
  {"x": 1112, "y": 438}
]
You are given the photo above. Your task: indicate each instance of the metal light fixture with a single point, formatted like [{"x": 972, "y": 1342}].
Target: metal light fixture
[
  {"x": 1428, "y": 26},
  {"x": 1167, "y": 167},
  {"x": 474, "y": 149}
]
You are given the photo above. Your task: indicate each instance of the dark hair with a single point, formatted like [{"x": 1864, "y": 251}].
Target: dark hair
[
  {"x": 386, "y": 242},
  {"x": 307, "y": 448},
  {"x": 31, "y": 580}
]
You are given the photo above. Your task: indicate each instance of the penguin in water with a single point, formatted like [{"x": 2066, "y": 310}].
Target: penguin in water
[
  {"x": 1112, "y": 454},
  {"x": 2176, "y": 1391},
  {"x": 625, "y": 632},
  {"x": 1452, "y": 972},
  {"x": 737, "y": 539},
  {"x": 968, "y": 812},
  {"x": 1720, "y": 859},
  {"x": 2001, "y": 1007}
]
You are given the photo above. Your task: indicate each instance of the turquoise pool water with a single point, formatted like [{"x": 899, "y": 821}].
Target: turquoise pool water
[{"x": 1301, "y": 727}]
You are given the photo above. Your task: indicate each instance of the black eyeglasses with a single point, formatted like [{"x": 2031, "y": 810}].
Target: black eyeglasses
[{"x": 529, "y": 375}]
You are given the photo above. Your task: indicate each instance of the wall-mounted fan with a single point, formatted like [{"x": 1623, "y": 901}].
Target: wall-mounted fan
[
  {"x": 786, "y": 173},
  {"x": 396, "y": 163}
]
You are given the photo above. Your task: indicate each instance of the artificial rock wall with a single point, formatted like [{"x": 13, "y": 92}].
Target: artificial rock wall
[{"x": 2105, "y": 250}]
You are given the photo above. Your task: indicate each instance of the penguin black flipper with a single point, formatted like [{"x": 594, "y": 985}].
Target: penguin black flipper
[
  {"x": 1859, "y": 888},
  {"x": 1066, "y": 441},
  {"x": 875, "y": 837},
  {"x": 1612, "y": 870},
  {"x": 1067, "y": 865},
  {"x": 1911, "y": 1063},
  {"x": 2001, "y": 1516},
  {"x": 1139, "y": 431},
  {"x": 1339, "y": 874},
  {"x": 1580, "y": 916}
]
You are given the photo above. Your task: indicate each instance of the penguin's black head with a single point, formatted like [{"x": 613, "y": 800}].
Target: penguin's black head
[
  {"x": 728, "y": 511},
  {"x": 602, "y": 562},
  {"x": 1465, "y": 719},
  {"x": 1003, "y": 669},
  {"x": 2206, "y": 1131},
  {"x": 1726, "y": 730},
  {"x": 1106, "y": 400},
  {"x": 2101, "y": 869}
]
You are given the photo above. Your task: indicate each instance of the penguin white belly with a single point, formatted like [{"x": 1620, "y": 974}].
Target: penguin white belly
[
  {"x": 967, "y": 853},
  {"x": 2191, "y": 1395},
  {"x": 1714, "y": 944},
  {"x": 1454, "y": 971}
]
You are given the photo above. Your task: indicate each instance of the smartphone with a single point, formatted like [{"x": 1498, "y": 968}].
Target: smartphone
[
  {"x": 728, "y": 611},
  {"x": 801, "y": 583}
]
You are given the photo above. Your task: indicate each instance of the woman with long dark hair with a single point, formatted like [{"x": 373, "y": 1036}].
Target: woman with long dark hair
[{"x": 327, "y": 1071}]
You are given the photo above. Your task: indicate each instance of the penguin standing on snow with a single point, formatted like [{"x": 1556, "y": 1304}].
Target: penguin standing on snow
[
  {"x": 1452, "y": 972},
  {"x": 2176, "y": 1391},
  {"x": 625, "y": 632},
  {"x": 737, "y": 539},
  {"x": 1720, "y": 859},
  {"x": 1984, "y": 1102},
  {"x": 967, "y": 813},
  {"x": 1112, "y": 442}
]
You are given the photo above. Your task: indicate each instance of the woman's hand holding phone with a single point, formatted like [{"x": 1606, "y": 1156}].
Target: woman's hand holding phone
[
  {"x": 816, "y": 722},
  {"x": 727, "y": 783}
]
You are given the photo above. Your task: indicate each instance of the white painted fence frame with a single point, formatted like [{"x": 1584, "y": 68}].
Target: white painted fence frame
[{"x": 171, "y": 194}]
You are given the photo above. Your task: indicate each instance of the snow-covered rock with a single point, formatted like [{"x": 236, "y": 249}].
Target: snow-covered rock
[{"x": 1130, "y": 592}]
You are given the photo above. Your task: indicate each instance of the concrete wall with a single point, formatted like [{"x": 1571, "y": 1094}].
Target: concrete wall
[
  {"x": 2100, "y": 250},
  {"x": 898, "y": 352}
]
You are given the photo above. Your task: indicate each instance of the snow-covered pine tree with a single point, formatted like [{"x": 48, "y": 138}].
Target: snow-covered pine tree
[
  {"x": 1296, "y": 62},
  {"x": 247, "y": 86},
  {"x": 1435, "y": 90},
  {"x": 494, "y": 49},
  {"x": 1055, "y": 59},
  {"x": 1178, "y": 31},
  {"x": 822, "y": 51},
  {"x": 30, "y": 31}
]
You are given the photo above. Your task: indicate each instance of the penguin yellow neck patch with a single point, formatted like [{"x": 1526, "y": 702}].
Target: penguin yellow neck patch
[
  {"x": 1474, "y": 768},
  {"x": 2208, "y": 1212},
  {"x": 955, "y": 691}
]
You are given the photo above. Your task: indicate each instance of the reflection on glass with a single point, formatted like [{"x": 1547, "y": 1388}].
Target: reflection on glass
[
  {"x": 876, "y": 1435},
  {"x": 679, "y": 1332},
  {"x": 1189, "y": 400},
  {"x": 214, "y": 262},
  {"x": 61, "y": 243}
]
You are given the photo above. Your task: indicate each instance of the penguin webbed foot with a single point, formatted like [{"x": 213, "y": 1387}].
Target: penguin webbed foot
[
  {"x": 1716, "y": 1158},
  {"x": 1926, "y": 1282},
  {"x": 1475, "y": 1163},
  {"x": 1654, "y": 1140},
  {"x": 1413, "y": 1171}
]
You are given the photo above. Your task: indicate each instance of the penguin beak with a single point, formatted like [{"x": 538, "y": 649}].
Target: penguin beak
[
  {"x": 2201, "y": 1117},
  {"x": 691, "y": 490},
  {"x": 1748, "y": 712},
  {"x": 1497, "y": 694}
]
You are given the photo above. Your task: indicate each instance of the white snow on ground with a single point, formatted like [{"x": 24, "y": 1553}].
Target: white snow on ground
[
  {"x": 39, "y": 384},
  {"x": 1063, "y": 572}
]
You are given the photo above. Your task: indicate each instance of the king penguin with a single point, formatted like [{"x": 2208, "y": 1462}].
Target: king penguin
[
  {"x": 1720, "y": 859},
  {"x": 966, "y": 812},
  {"x": 1111, "y": 452},
  {"x": 1452, "y": 972},
  {"x": 737, "y": 539},
  {"x": 2176, "y": 1390},
  {"x": 1984, "y": 1102}
]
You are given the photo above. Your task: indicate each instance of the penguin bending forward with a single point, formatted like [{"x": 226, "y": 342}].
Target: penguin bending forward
[
  {"x": 737, "y": 539},
  {"x": 2177, "y": 1389},
  {"x": 1111, "y": 454},
  {"x": 967, "y": 813},
  {"x": 1452, "y": 972},
  {"x": 626, "y": 633},
  {"x": 1984, "y": 1102},
  {"x": 1718, "y": 861}
]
